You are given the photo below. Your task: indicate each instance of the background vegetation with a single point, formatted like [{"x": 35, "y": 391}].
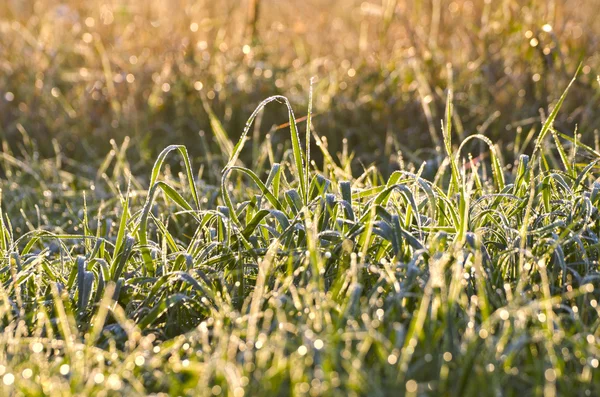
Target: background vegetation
[
  {"x": 85, "y": 72},
  {"x": 418, "y": 217}
]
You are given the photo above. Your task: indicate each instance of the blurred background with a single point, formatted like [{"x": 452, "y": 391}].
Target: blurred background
[{"x": 80, "y": 76}]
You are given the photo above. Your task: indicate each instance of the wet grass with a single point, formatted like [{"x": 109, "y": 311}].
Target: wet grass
[
  {"x": 481, "y": 279},
  {"x": 427, "y": 225}
]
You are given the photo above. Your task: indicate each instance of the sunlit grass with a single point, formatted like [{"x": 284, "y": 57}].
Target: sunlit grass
[
  {"x": 427, "y": 225},
  {"x": 86, "y": 72},
  {"x": 289, "y": 279}
]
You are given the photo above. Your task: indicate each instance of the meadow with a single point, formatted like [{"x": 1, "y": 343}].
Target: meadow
[{"x": 321, "y": 198}]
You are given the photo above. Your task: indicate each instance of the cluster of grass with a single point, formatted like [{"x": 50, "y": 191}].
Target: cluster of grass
[
  {"x": 283, "y": 265},
  {"x": 481, "y": 279},
  {"x": 85, "y": 72}
]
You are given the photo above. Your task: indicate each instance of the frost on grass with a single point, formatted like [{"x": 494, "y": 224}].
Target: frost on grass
[{"x": 479, "y": 278}]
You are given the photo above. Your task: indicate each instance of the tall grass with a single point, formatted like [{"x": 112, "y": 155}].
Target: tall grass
[{"x": 288, "y": 279}]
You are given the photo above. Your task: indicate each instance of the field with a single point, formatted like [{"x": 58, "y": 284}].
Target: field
[{"x": 321, "y": 198}]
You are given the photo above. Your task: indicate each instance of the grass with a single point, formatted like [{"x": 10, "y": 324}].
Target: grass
[
  {"x": 86, "y": 73},
  {"x": 288, "y": 279},
  {"x": 427, "y": 225}
]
